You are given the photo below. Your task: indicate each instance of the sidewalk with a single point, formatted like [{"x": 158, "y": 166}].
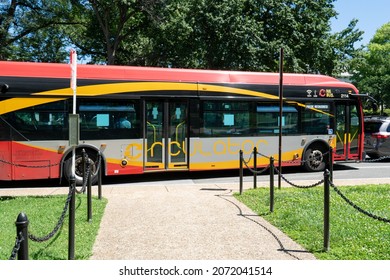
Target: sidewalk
[{"x": 186, "y": 221}]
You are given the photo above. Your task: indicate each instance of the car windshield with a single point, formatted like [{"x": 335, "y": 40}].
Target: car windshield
[{"x": 372, "y": 127}]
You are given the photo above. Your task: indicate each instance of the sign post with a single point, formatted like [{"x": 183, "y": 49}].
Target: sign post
[
  {"x": 280, "y": 116},
  {"x": 73, "y": 142},
  {"x": 73, "y": 118}
]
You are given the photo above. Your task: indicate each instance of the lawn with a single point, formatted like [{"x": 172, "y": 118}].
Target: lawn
[
  {"x": 353, "y": 235},
  {"x": 43, "y": 213}
]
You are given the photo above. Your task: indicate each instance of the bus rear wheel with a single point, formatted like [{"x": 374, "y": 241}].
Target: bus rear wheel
[
  {"x": 314, "y": 158},
  {"x": 79, "y": 169}
]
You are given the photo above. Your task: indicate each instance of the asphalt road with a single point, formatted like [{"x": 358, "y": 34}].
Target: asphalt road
[{"x": 352, "y": 170}]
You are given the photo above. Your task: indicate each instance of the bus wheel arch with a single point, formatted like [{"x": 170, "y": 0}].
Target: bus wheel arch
[
  {"x": 93, "y": 154},
  {"x": 316, "y": 156}
]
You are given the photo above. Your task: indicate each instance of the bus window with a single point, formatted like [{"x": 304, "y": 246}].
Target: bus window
[
  {"x": 268, "y": 119},
  {"x": 227, "y": 118},
  {"x": 42, "y": 122},
  {"x": 316, "y": 118},
  {"x": 109, "y": 119}
]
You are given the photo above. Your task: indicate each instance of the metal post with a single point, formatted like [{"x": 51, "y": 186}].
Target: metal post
[
  {"x": 100, "y": 167},
  {"x": 89, "y": 192},
  {"x": 84, "y": 161},
  {"x": 331, "y": 163},
  {"x": 255, "y": 167},
  {"x": 72, "y": 210},
  {"x": 272, "y": 185},
  {"x": 326, "y": 211},
  {"x": 281, "y": 57},
  {"x": 22, "y": 232},
  {"x": 241, "y": 171}
]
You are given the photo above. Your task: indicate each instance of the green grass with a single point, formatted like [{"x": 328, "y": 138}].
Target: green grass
[
  {"x": 43, "y": 213},
  {"x": 353, "y": 235}
]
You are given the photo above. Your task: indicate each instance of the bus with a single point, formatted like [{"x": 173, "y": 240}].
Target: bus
[{"x": 145, "y": 119}]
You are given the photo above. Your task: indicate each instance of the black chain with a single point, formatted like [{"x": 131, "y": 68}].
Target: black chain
[
  {"x": 59, "y": 223},
  {"x": 277, "y": 171},
  {"x": 297, "y": 186},
  {"x": 15, "y": 250},
  {"x": 85, "y": 175},
  {"x": 357, "y": 207},
  {"x": 258, "y": 172}
]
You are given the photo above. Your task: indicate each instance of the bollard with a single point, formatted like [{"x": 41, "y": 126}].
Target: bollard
[
  {"x": 255, "y": 167},
  {"x": 100, "y": 176},
  {"x": 241, "y": 172},
  {"x": 22, "y": 231},
  {"x": 72, "y": 210},
  {"x": 331, "y": 164},
  {"x": 326, "y": 211},
  {"x": 271, "y": 184},
  {"x": 84, "y": 162},
  {"x": 89, "y": 192}
]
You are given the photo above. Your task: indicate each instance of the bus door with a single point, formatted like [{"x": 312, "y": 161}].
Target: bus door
[
  {"x": 166, "y": 135},
  {"x": 348, "y": 131}
]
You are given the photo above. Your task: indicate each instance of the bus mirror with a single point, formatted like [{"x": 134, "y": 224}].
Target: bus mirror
[
  {"x": 374, "y": 106},
  {"x": 4, "y": 88}
]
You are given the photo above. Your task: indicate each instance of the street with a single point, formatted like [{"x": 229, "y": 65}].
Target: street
[{"x": 353, "y": 171}]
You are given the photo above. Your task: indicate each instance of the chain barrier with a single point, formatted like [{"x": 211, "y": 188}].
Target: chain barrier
[
  {"x": 277, "y": 171},
  {"x": 258, "y": 172},
  {"x": 59, "y": 223},
  {"x": 15, "y": 250},
  {"x": 357, "y": 207},
  {"x": 297, "y": 186},
  {"x": 86, "y": 175}
]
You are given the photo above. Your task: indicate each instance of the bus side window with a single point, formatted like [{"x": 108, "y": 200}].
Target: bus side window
[
  {"x": 268, "y": 119},
  {"x": 221, "y": 119},
  {"x": 110, "y": 119}
]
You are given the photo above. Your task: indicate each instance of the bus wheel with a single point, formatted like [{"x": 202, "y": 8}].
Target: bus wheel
[
  {"x": 314, "y": 158},
  {"x": 79, "y": 172}
]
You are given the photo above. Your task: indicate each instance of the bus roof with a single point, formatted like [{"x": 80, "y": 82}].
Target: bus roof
[{"x": 136, "y": 73}]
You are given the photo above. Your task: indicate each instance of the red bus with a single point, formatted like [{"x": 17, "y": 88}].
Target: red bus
[{"x": 155, "y": 119}]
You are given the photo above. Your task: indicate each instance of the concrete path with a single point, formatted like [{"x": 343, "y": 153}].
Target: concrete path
[{"x": 187, "y": 222}]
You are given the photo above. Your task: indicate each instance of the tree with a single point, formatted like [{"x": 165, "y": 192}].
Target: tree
[
  {"x": 372, "y": 67},
  {"x": 218, "y": 34},
  {"x": 34, "y": 26},
  {"x": 114, "y": 28},
  {"x": 247, "y": 35}
]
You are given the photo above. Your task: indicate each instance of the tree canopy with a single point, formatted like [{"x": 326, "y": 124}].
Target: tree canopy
[
  {"x": 218, "y": 34},
  {"x": 372, "y": 66}
]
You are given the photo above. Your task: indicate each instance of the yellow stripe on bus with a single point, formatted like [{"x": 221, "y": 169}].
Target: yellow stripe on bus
[
  {"x": 18, "y": 103},
  {"x": 13, "y": 104},
  {"x": 96, "y": 90}
]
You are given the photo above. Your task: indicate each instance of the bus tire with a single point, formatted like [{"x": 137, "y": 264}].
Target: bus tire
[
  {"x": 315, "y": 158},
  {"x": 79, "y": 168}
]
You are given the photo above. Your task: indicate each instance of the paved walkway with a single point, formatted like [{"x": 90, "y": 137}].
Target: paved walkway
[{"x": 187, "y": 222}]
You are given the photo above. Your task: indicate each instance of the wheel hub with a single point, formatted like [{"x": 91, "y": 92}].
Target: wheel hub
[{"x": 316, "y": 158}]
